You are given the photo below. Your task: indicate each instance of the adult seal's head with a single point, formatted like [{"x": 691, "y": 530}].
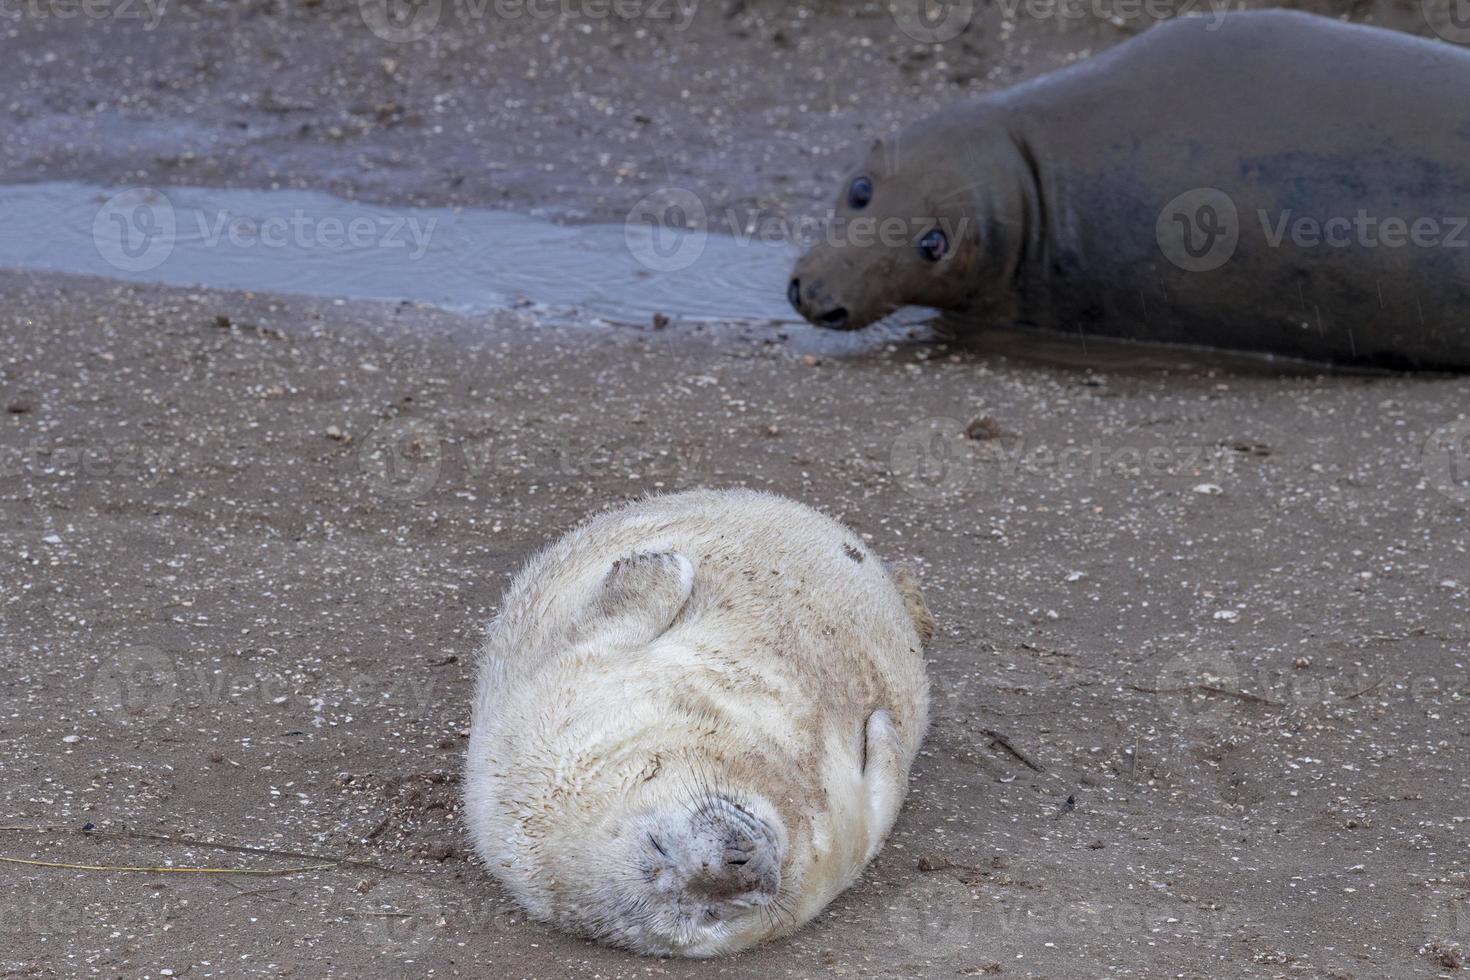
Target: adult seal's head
[{"x": 911, "y": 226}]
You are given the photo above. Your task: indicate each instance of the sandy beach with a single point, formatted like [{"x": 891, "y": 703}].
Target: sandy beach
[{"x": 1200, "y": 674}]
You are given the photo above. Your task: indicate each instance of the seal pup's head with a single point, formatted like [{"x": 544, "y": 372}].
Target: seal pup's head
[
  {"x": 910, "y": 227},
  {"x": 629, "y": 843},
  {"x": 702, "y": 873}
]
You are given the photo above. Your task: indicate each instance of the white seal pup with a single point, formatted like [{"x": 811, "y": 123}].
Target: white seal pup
[{"x": 694, "y": 721}]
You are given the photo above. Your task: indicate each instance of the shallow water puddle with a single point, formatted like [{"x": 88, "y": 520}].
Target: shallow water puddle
[
  {"x": 472, "y": 260},
  {"x": 468, "y": 260}
]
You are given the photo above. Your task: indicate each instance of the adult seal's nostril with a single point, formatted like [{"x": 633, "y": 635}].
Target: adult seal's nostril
[
  {"x": 834, "y": 319},
  {"x": 793, "y": 293}
]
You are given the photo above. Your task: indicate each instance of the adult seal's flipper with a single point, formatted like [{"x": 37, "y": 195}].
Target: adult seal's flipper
[{"x": 639, "y": 599}]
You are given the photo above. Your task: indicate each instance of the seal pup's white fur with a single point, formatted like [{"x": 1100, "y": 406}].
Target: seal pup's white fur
[{"x": 694, "y": 721}]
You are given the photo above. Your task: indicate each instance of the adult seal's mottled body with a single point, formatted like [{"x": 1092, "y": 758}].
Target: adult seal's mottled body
[
  {"x": 694, "y": 722},
  {"x": 1274, "y": 182}
]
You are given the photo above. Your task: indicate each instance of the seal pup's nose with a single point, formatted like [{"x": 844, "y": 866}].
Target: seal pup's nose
[
  {"x": 743, "y": 865},
  {"x": 793, "y": 294},
  {"x": 749, "y": 874}
]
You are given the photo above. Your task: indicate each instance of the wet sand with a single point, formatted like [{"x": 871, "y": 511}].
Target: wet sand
[
  {"x": 1201, "y": 669},
  {"x": 246, "y": 567}
]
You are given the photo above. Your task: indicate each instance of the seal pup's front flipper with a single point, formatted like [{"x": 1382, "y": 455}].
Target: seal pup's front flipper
[
  {"x": 639, "y": 598},
  {"x": 884, "y": 777}
]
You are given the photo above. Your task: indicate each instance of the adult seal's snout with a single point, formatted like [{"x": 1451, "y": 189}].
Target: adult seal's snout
[
  {"x": 1274, "y": 182},
  {"x": 814, "y": 304}
]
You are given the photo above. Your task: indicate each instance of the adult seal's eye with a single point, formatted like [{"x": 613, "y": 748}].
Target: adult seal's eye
[
  {"x": 934, "y": 245},
  {"x": 859, "y": 193}
]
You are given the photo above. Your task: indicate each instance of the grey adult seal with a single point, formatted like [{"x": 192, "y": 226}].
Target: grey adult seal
[{"x": 1275, "y": 182}]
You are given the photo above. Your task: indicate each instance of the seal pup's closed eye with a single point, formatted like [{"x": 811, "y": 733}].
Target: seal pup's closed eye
[{"x": 694, "y": 722}]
